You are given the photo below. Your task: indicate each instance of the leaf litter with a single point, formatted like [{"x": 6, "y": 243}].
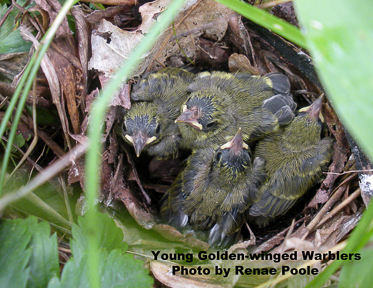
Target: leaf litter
[{"x": 214, "y": 38}]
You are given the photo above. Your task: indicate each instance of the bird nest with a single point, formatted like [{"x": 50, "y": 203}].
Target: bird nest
[{"x": 208, "y": 37}]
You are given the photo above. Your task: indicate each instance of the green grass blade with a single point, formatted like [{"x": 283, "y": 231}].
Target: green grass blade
[
  {"x": 27, "y": 77},
  {"x": 263, "y": 18},
  {"x": 98, "y": 111}
]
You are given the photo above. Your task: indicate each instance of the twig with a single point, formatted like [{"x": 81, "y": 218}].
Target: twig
[
  {"x": 328, "y": 205},
  {"x": 339, "y": 207},
  {"x": 51, "y": 144},
  {"x": 137, "y": 178},
  {"x": 347, "y": 172},
  {"x": 332, "y": 200},
  {"x": 288, "y": 234}
]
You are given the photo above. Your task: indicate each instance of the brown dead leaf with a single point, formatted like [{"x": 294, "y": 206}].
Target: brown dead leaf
[
  {"x": 108, "y": 14},
  {"x": 240, "y": 63},
  {"x": 83, "y": 40},
  {"x": 286, "y": 12},
  {"x": 54, "y": 85},
  {"x": 76, "y": 172},
  {"x": 12, "y": 64},
  {"x": 66, "y": 74},
  {"x": 7, "y": 90},
  {"x": 338, "y": 163},
  {"x": 172, "y": 234},
  {"x": 335, "y": 230},
  {"x": 161, "y": 271},
  {"x": 121, "y": 97},
  {"x": 108, "y": 54},
  {"x": 113, "y": 149},
  {"x": 334, "y": 125},
  {"x": 239, "y": 37},
  {"x": 53, "y": 7},
  {"x": 107, "y": 180},
  {"x": 211, "y": 54}
]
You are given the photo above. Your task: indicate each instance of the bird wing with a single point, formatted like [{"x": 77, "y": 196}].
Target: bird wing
[
  {"x": 172, "y": 203},
  {"x": 280, "y": 83},
  {"x": 196, "y": 178},
  {"x": 282, "y": 106},
  {"x": 257, "y": 124},
  {"x": 234, "y": 206},
  {"x": 292, "y": 180}
]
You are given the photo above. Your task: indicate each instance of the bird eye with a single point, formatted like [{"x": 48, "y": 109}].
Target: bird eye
[
  {"x": 218, "y": 156},
  {"x": 211, "y": 124},
  {"x": 158, "y": 129},
  {"x": 124, "y": 127}
]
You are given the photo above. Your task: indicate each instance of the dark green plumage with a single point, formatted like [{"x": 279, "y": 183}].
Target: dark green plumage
[
  {"x": 295, "y": 158},
  {"x": 214, "y": 190},
  {"x": 220, "y": 103},
  {"x": 150, "y": 123}
]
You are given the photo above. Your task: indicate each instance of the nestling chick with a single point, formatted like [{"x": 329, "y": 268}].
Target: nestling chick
[
  {"x": 151, "y": 125},
  {"x": 221, "y": 102},
  {"x": 295, "y": 158},
  {"x": 214, "y": 190}
]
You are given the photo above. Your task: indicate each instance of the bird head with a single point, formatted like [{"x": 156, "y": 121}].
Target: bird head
[
  {"x": 204, "y": 111},
  {"x": 233, "y": 158},
  {"x": 141, "y": 126},
  {"x": 306, "y": 128}
]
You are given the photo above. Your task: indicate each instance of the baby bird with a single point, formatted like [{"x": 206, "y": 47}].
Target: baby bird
[
  {"x": 220, "y": 103},
  {"x": 150, "y": 125},
  {"x": 214, "y": 190},
  {"x": 295, "y": 158}
]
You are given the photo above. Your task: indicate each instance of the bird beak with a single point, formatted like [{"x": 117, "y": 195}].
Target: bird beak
[
  {"x": 139, "y": 142},
  {"x": 314, "y": 110},
  {"x": 189, "y": 117},
  {"x": 236, "y": 144}
]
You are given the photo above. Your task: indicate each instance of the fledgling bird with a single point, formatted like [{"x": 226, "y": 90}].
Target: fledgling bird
[
  {"x": 221, "y": 102},
  {"x": 150, "y": 123},
  {"x": 295, "y": 158},
  {"x": 214, "y": 190}
]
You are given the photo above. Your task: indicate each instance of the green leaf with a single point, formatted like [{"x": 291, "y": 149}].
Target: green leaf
[
  {"x": 11, "y": 40},
  {"x": 14, "y": 254},
  {"x": 266, "y": 20},
  {"x": 14, "y": 43},
  {"x": 110, "y": 237},
  {"x": 116, "y": 270},
  {"x": 54, "y": 283},
  {"x": 363, "y": 268},
  {"x": 19, "y": 141},
  {"x": 28, "y": 254},
  {"x": 44, "y": 258},
  {"x": 45, "y": 195},
  {"x": 339, "y": 36}
]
